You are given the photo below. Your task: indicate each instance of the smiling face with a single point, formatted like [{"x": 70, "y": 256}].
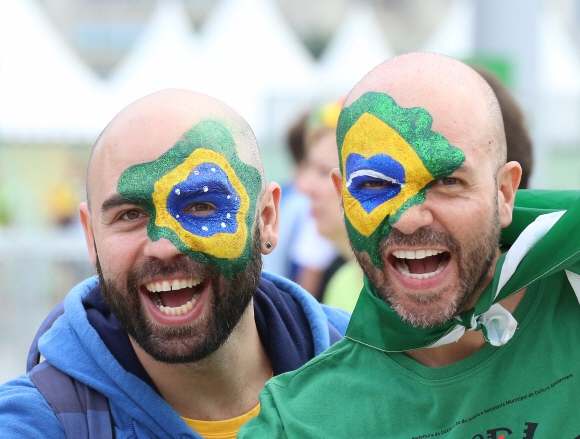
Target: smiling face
[
  {"x": 423, "y": 199},
  {"x": 172, "y": 225},
  {"x": 389, "y": 158}
]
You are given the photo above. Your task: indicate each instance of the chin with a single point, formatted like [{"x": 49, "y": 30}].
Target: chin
[{"x": 424, "y": 312}]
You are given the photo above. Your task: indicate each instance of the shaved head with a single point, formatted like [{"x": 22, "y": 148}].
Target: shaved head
[
  {"x": 150, "y": 126},
  {"x": 459, "y": 99}
]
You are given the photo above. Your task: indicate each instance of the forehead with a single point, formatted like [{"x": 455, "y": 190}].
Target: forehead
[
  {"x": 377, "y": 123},
  {"x": 457, "y": 107},
  {"x": 138, "y": 138}
]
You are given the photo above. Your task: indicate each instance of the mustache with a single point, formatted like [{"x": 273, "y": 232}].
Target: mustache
[
  {"x": 422, "y": 237},
  {"x": 181, "y": 265}
]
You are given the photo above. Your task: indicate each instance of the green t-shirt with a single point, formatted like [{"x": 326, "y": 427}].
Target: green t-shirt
[{"x": 527, "y": 388}]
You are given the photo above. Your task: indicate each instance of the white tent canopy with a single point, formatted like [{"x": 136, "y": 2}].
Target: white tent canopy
[
  {"x": 455, "y": 36},
  {"x": 558, "y": 60},
  {"x": 46, "y": 92},
  {"x": 167, "y": 55},
  {"x": 558, "y": 79},
  {"x": 358, "y": 46},
  {"x": 254, "y": 54}
]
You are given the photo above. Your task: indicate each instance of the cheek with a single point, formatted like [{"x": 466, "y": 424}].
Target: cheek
[
  {"x": 117, "y": 254},
  {"x": 462, "y": 219}
]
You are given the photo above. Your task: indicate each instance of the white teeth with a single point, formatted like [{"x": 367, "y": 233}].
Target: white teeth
[
  {"x": 399, "y": 254},
  {"x": 402, "y": 266},
  {"x": 178, "y": 310},
  {"x": 404, "y": 270},
  {"x": 176, "y": 284},
  {"x": 415, "y": 254}
]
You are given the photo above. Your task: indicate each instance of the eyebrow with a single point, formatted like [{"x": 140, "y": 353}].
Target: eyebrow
[
  {"x": 113, "y": 201},
  {"x": 464, "y": 169}
]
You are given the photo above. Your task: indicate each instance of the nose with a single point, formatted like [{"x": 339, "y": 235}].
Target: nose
[
  {"x": 413, "y": 219},
  {"x": 162, "y": 249}
]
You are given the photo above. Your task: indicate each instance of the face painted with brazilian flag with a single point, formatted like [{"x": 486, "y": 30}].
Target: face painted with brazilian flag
[
  {"x": 200, "y": 196},
  {"x": 389, "y": 157}
]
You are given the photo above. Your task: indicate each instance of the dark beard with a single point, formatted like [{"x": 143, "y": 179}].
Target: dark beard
[
  {"x": 474, "y": 263},
  {"x": 196, "y": 341}
]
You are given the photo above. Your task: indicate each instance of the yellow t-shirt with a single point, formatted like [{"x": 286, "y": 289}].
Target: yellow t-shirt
[{"x": 221, "y": 429}]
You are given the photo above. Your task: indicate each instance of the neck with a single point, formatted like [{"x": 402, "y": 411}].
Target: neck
[
  {"x": 471, "y": 342},
  {"x": 222, "y": 386}
]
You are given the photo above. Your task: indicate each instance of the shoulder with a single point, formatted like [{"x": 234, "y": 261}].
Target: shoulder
[
  {"x": 24, "y": 413},
  {"x": 288, "y": 399}
]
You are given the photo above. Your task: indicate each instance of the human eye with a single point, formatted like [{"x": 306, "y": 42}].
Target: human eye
[
  {"x": 131, "y": 215},
  {"x": 375, "y": 184},
  {"x": 448, "y": 181},
  {"x": 200, "y": 209}
]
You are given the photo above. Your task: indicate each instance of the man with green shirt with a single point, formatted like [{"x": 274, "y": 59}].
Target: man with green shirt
[{"x": 468, "y": 323}]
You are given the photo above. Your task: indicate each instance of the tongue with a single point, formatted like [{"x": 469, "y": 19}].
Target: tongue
[
  {"x": 176, "y": 298},
  {"x": 425, "y": 265}
]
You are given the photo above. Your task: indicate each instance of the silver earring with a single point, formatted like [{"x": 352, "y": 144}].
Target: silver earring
[{"x": 268, "y": 245}]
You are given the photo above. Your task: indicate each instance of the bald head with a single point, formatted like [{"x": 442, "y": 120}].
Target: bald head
[
  {"x": 146, "y": 129},
  {"x": 460, "y": 101}
]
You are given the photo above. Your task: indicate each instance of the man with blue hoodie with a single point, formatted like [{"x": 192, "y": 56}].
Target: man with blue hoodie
[{"x": 181, "y": 330}]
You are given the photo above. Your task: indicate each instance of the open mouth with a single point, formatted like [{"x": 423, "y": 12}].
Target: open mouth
[
  {"x": 176, "y": 296},
  {"x": 420, "y": 264}
]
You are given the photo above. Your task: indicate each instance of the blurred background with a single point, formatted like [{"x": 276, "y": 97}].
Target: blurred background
[{"x": 68, "y": 66}]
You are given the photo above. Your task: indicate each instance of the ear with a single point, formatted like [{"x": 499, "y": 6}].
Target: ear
[
  {"x": 85, "y": 215},
  {"x": 337, "y": 182},
  {"x": 508, "y": 180},
  {"x": 269, "y": 208}
]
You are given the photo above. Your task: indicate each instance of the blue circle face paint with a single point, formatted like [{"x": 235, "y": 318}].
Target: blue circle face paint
[
  {"x": 208, "y": 184},
  {"x": 374, "y": 180}
]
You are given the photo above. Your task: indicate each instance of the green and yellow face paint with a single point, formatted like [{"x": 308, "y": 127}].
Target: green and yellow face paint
[
  {"x": 389, "y": 158},
  {"x": 203, "y": 167}
]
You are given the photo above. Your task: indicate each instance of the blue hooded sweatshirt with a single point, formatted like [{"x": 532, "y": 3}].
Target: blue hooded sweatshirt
[{"x": 88, "y": 343}]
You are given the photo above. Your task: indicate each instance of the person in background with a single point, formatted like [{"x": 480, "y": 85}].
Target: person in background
[
  {"x": 519, "y": 143},
  {"x": 302, "y": 254},
  {"x": 343, "y": 279}
]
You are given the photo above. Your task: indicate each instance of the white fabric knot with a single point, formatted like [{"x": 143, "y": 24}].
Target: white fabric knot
[
  {"x": 498, "y": 322},
  {"x": 500, "y": 325}
]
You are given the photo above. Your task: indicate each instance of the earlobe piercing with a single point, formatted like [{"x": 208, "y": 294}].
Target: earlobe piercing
[{"x": 268, "y": 245}]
